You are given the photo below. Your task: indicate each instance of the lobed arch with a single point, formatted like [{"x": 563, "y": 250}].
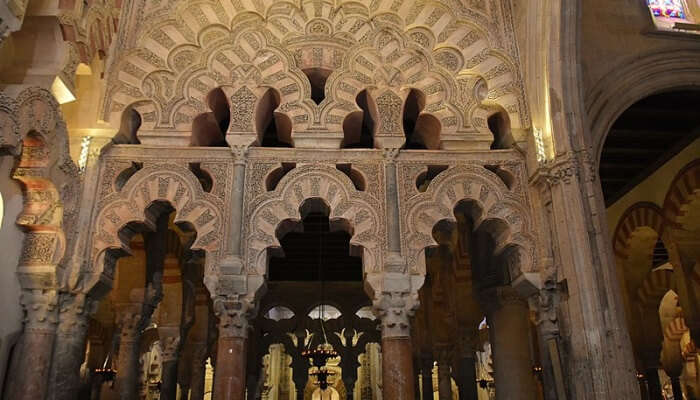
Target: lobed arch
[
  {"x": 503, "y": 214},
  {"x": 358, "y": 209},
  {"x": 35, "y": 134},
  {"x": 631, "y": 81},
  {"x": 453, "y": 39},
  {"x": 154, "y": 187}
]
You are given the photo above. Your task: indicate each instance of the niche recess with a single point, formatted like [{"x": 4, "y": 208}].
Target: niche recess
[
  {"x": 359, "y": 126},
  {"x": 209, "y": 129},
  {"x": 274, "y": 177},
  {"x": 317, "y": 78},
  {"x": 499, "y": 125},
  {"x": 274, "y": 129},
  {"x": 355, "y": 176},
  {"x": 422, "y": 130},
  {"x": 424, "y": 178}
]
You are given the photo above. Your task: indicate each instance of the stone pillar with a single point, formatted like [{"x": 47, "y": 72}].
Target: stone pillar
[
  {"x": 69, "y": 349},
  {"x": 170, "y": 349},
  {"x": 394, "y": 306},
  {"x": 672, "y": 361},
  {"x": 29, "y": 371},
  {"x": 427, "y": 377},
  {"x": 507, "y": 315},
  {"x": 466, "y": 378},
  {"x": 444, "y": 362},
  {"x": 545, "y": 303},
  {"x": 598, "y": 349},
  {"x": 231, "y": 357},
  {"x": 199, "y": 370},
  {"x": 129, "y": 320},
  {"x": 653, "y": 384},
  {"x": 466, "y": 360}
]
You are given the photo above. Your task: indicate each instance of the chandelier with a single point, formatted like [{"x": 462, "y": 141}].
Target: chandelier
[
  {"x": 319, "y": 355},
  {"x": 322, "y": 375}
]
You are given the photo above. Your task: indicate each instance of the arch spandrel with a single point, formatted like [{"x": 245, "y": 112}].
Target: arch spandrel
[
  {"x": 363, "y": 212},
  {"x": 493, "y": 201},
  {"x": 172, "y": 184}
]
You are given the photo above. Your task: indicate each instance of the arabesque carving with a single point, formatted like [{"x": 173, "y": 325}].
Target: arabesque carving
[
  {"x": 360, "y": 209},
  {"x": 463, "y": 59},
  {"x": 493, "y": 201},
  {"x": 156, "y": 183}
]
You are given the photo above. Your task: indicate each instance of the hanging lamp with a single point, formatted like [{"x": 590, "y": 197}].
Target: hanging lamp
[{"x": 320, "y": 354}]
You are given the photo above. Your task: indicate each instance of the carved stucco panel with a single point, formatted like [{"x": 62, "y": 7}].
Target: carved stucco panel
[
  {"x": 361, "y": 210},
  {"x": 421, "y": 211}
]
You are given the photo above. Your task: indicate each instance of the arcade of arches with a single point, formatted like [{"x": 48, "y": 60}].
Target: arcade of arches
[{"x": 452, "y": 199}]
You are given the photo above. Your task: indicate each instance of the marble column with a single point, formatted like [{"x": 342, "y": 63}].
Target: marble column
[
  {"x": 199, "y": 370},
  {"x": 395, "y": 305},
  {"x": 29, "y": 372},
  {"x": 231, "y": 354},
  {"x": 170, "y": 349},
  {"x": 427, "y": 376},
  {"x": 444, "y": 363},
  {"x": 653, "y": 384},
  {"x": 129, "y": 320},
  {"x": 672, "y": 361},
  {"x": 466, "y": 378},
  {"x": 507, "y": 315},
  {"x": 69, "y": 349}
]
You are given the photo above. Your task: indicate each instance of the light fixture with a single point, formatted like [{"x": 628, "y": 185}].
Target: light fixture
[{"x": 322, "y": 375}]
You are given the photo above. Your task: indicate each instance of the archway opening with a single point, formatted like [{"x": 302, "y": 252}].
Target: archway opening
[
  {"x": 274, "y": 129},
  {"x": 422, "y": 130},
  {"x": 317, "y": 78},
  {"x": 359, "y": 126}
]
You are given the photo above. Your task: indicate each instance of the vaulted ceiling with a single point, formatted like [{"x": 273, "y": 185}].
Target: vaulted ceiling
[{"x": 645, "y": 136}]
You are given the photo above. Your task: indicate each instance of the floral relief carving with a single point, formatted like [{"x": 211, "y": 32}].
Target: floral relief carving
[
  {"x": 493, "y": 201},
  {"x": 159, "y": 182}
]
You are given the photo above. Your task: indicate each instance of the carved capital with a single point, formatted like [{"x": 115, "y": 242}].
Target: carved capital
[
  {"x": 130, "y": 321},
  {"x": 395, "y": 310},
  {"x": 390, "y": 155},
  {"x": 546, "y": 304},
  {"x": 240, "y": 153},
  {"x": 234, "y": 316},
  {"x": 169, "y": 347},
  {"x": 494, "y": 298},
  {"x": 40, "y": 310},
  {"x": 565, "y": 168},
  {"x": 74, "y": 312}
]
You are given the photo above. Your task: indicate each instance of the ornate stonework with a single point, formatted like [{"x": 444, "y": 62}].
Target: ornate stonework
[
  {"x": 490, "y": 200},
  {"x": 463, "y": 61}
]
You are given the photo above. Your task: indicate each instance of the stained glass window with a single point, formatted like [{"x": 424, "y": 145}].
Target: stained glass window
[{"x": 667, "y": 8}]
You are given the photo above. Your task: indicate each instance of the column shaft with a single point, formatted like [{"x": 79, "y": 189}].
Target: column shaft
[
  {"x": 508, "y": 328},
  {"x": 397, "y": 368},
  {"x": 30, "y": 366},
  {"x": 230, "y": 376},
  {"x": 199, "y": 371},
  {"x": 467, "y": 379},
  {"x": 29, "y": 371},
  {"x": 128, "y": 369},
  {"x": 444, "y": 380},
  {"x": 654, "y": 384},
  {"x": 237, "y": 211},
  {"x": 392, "y": 209},
  {"x": 427, "y": 375},
  {"x": 168, "y": 389},
  {"x": 676, "y": 386}
]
